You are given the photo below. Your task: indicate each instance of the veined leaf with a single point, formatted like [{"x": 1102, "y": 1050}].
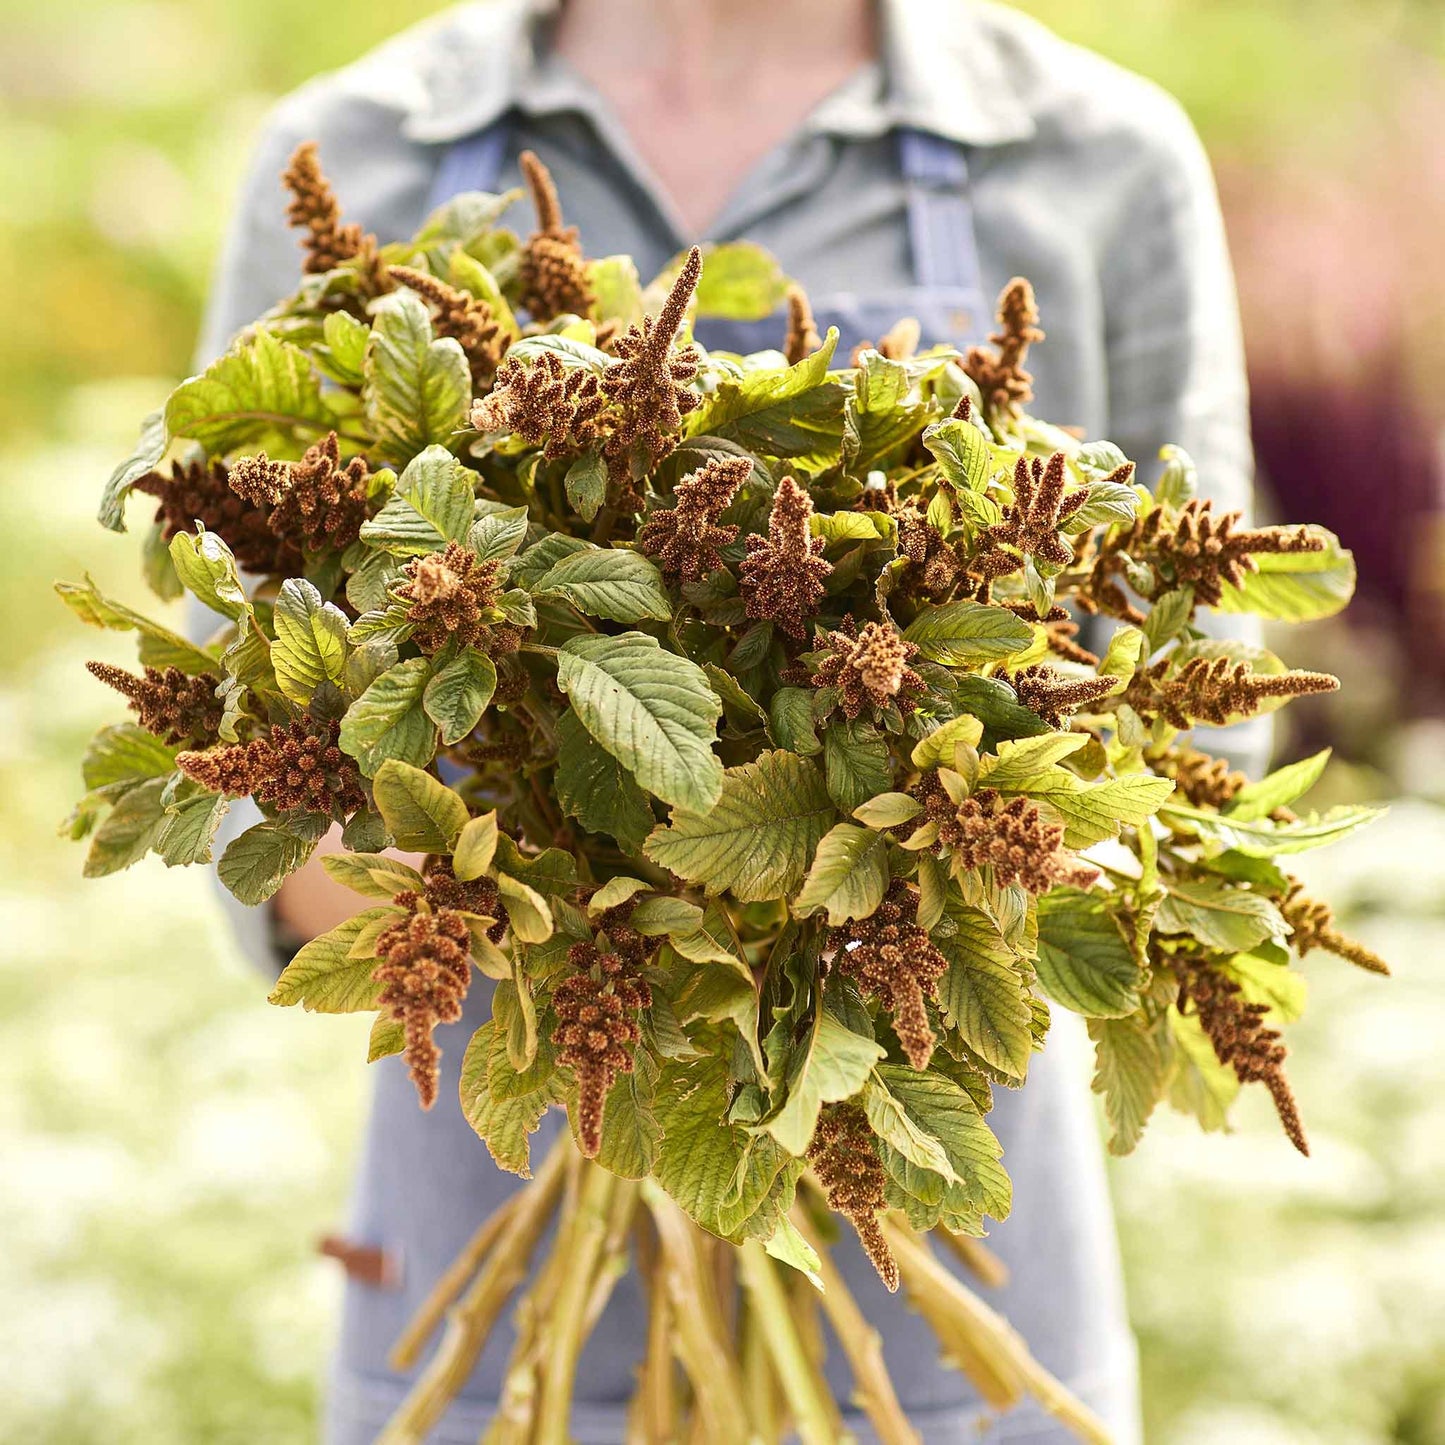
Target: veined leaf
[
  {"x": 189, "y": 829},
  {"x": 617, "y": 584},
  {"x": 431, "y": 506},
  {"x": 258, "y": 862},
  {"x": 963, "y": 454},
  {"x": 1093, "y": 812},
  {"x": 1232, "y": 920},
  {"x": 1281, "y": 788},
  {"x": 758, "y": 839},
  {"x": 968, "y": 634},
  {"x": 373, "y": 874},
  {"x": 593, "y": 787},
  {"x": 149, "y": 450},
  {"x": 855, "y": 763},
  {"x": 849, "y": 875},
  {"x": 475, "y": 847},
  {"x": 457, "y": 695},
  {"x": 983, "y": 995},
  {"x": 423, "y": 815},
  {"x": 1084, "y": 961},
  {"x": 159, "y": 647},
  {"x": 125, "y": 753},
  {"x": 740, "y": 281},
  {"x": 651, "y": 709},
  {"x": 389, "y": 719},
  {"x": 325, "y": 978},
  {"x": 832, "y": 1064},
  {"x": 310, "y": 646},
  {"x": 1260, "y": 838},
  {"x": 505, "y": 1123},
  {"x": 417, "y": 386},
  {"x": 129, "y": 831},
  {"x": 1131, "y": 1070},
  {"x": 1296, "y": 586}
]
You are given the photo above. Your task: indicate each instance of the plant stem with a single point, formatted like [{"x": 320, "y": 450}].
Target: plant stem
[
  {"x": 419, "y": 1330},
  {"x": 873, "y": 1390},
  {"x": 981, "y": 1339},
  {"x": 568, "y": 1316},
  {"x": 806, "y": 1392},
  {"x": 470, "y": 1321},
  {"x": 974, "y": 1256}
]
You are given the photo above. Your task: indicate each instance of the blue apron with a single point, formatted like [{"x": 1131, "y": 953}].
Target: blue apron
[{"x": 426, "y": 1181}]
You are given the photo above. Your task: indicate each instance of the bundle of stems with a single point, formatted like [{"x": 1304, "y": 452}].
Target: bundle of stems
[{"x": 735, "y": 1346}]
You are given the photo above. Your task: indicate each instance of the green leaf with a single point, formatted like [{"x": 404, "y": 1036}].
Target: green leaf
[
  {"x": 1022, "y": 762},
  {"x": 919, "y": 1107},
  {"x": 1296, "y": 586},
  {"x": 832, "y": 1064},
  {"x": 389, "y": 719},
  {"x": 325, "y": 978},
  {"x": 1278, "y": 790},
  {"x": 344, "y": 350},
  {"x": 258, "y": 862},
  {"x": 497, "y": 534},
  {"x": 263, "y": 392},
  {"x": 457, "y": 695},
  {"x": 663, "y": 913},
  {"x": 983, "y": 994},
  {"x": 888, "y": 810},
  {"x": 962, "y": 452},
  {"x": 504, "y": 1123},
  {"x": 740, "y": 282},
  {"x": 586, "y": 485},
  {"x": 125, "y": 753},
  {"x": 159, "y": 647},
  {"x": 310, "y": 646},
  {"x": 855, "y": 760},
  {"x": 476, "y": 846},
  {"x": 1093, "y": 813},
  {"x": 1261, "y": 838},
  {"x": 940, "y": 747},
  {"x": 431, "y": 506},
  {"x": 529, "y": 917},
  {"x": 1084, "y": 961},
  {"x": 593, "y": 787},
  {"x": 651, "y": 709},
  {"x": 417, "y": 387},
  {"x": 1130, "y": 1071},
  {"x": 790, "y": 721},
  {"x": 373, "y": 874},
  {"x": 189, "y": 829},
  {"x": 129, "y": 831},
  {"x": 146, "y": 457},
  {"x": 759, "y": 837},
  {"x": 1231, "y": 920},
  {"x": 849, "y": 875},
  {"x": 422, "y": 815},
  {"x": 968, "y": 634},
  {"x": 630, "y": 1131},
  {"x": 617, "y": 584},
  {"x": 387, "y": 1037}
]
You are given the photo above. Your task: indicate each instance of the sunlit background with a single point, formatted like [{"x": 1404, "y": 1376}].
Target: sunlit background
[{"x": 170, "y": 1147}]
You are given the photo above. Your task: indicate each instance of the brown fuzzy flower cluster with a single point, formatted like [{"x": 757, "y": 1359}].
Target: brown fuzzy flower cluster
[
  {"x": 894, "y": 961},
  {"x": 314, "y": 208},
  {"x": 1032, "y": 522},
  {"x": 297, "y": 765},
  {"x": 547, "y": 404},
  {"x": 1190, "y": 548},
  {"x": 1215, "y": 690},
  {"x": 166, "y": 702},
  {"x": 1053, "y": 696},
  {"x": 783, "y": 574},
  {"x": 801, "y": 339},
  {"x": 869, "y": 668},
  {"x": 597, "y": 1030},
  {"x": 448, "y": 593},
  {"x": 845, "y": 1158},
  {"x": 553, "y": 272},
  {"x": 1014, "y": 838},
  {"x": 1060, "y": 631},
  {"x": 465, "y": 318},
  {"x": 424, "y": 972},
  {"x": 324, "y": 505},
  {"x": 1241, "y": 1039},
  {"x": 201, "y": 492},
  {"x": 934, "y": 567},
  {"x": 685, "y": 539},
  {"x": 1202, "y": 781},
  {"x": 648, "y": 383},
  {"x": 444, "y": 890},
  {"x": 998, "y": 371},
  {"x": 1313, "y": 921}
]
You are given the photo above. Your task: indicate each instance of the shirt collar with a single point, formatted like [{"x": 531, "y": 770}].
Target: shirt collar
[{"x": 943, "y": 70}]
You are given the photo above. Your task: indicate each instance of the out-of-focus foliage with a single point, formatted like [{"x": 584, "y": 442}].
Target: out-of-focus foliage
[{"x": 140, "y": 1303}]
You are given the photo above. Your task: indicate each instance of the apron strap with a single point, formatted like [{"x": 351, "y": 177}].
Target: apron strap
[
  {"x": 940, "y": 212},
  {"x": 473, "y": 163}
]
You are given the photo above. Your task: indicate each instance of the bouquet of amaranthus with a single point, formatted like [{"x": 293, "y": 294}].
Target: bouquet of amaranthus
[{"x": 740, "y": 710}]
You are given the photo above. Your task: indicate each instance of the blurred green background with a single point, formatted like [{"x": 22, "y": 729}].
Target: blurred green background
[{"x": 171, "y": 1147}]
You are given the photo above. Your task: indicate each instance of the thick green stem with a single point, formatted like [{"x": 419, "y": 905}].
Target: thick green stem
[{"x": 807, "y": 1393}]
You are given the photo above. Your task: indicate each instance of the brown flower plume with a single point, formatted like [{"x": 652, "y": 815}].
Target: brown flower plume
[
  {"x": 325, "y": 504},
  {"x": 1313, "y": 921},
  {"x": 1202, "y": 781},
  {"x": 782, "y": 576},
  {"x": 1241, "y": 1039},
  {"x": 553, "y": 273},
  {"x": 465, "y": 318},
  {"x": 444, "y": 890},
  {"x": 597, "y": 1030},
  {"x": 1012, "y": 837},
  {"x": 201, "y": 492},
  {"x": 998, "y": 370},
  {"x": 648, "y": 383},
  {"x": 802, "y": 338},
  {"x": 934, "y": 568},
  {"x": 1032, "y": 522},
  {"x": 1193, "y": 548},
  {"x": 685, "y": 540},
  {"x": 1053, "y": 696},
  {"x": 1215, "y": 690},
  {"x": 845, "y": 1158},
  {"x": 869, "y": 667},
  {"x": 166, "y": 702},
  {"x": 547, "y": 404},
  {"x": 448, "y": 593},
  {"x": 894, "y": 961},
  {"x": 424, "y": 972},
  {"x": 295, "y": 765},
  {"x": 1060, "y": 630},
  {"x": 328, "y": 241}
]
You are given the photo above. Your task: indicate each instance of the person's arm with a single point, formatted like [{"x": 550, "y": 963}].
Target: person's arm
[{"x": 1175, "y": 355}]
